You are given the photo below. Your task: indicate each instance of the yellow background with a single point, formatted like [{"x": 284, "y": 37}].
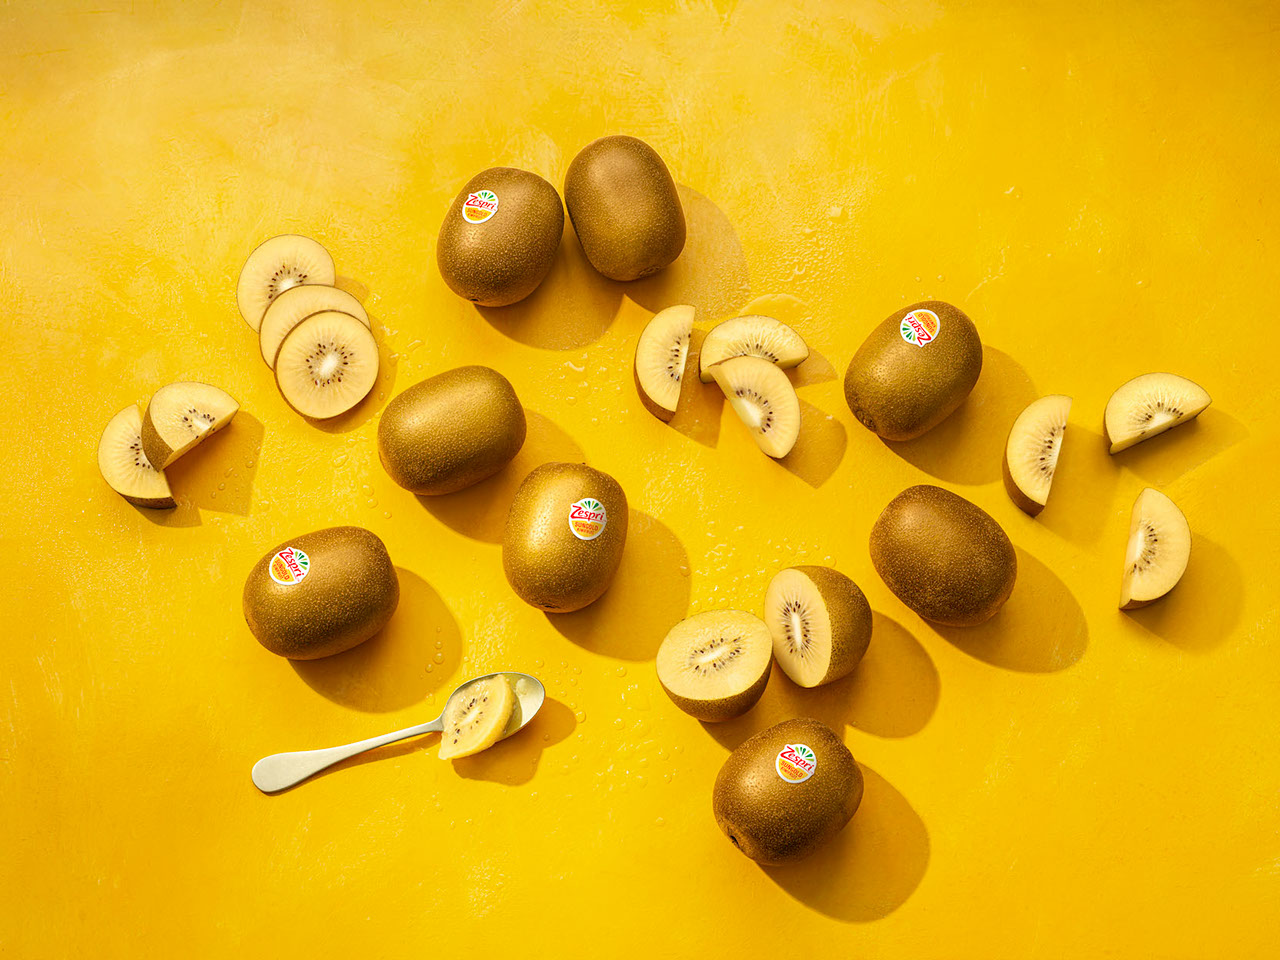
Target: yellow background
[{"x": 1093, "y": 183}]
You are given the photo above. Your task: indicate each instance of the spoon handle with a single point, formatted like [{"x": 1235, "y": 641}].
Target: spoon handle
[{"x": 282, "y": 770}]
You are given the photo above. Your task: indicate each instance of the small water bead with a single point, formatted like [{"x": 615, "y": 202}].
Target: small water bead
[{"x": 439, "y": 658}]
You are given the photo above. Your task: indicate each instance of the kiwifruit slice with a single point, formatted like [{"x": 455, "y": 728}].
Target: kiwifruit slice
[
  {"x": 751, "y": 336},
  {"x": 763, "y": 398},
  {"x": 1159, "y": 548},
  {"x": 294, "y": 305},
  {"x": 275, "y": 266},
  {"x": 820, "y": 622},
  {"x": 326, "y": 365},
  {"x": 714, "y": 665},
  {"x": 126, "y": 468},
  {"x": 1031, "y": 452},
  {"x": 476, "y": 717},
  {"x": 661, "y": 354},
  {"x": 180, "y": 416},
  {"x": 1151, "y": 404}
]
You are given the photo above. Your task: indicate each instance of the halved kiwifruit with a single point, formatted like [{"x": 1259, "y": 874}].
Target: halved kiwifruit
[
  {"x": 751, "y": 336},
  {"x": 661, "y": 354},
  {"x": 763, "y": 398},
  {"x": 275, "y": 266},
  {"x": 714, "y": 665},
  {"x": 820, "y": 622},
  {"x": 326, "y": 365},
  {"x": 126, "y": 468},
  {"x": 1031, "y": 452},
  {"x": 294, "y": 305},
  {"x": 1149, "y": 405},
  {"x": 1158, "y": 551},
  {"x": 182, "y": 415}
]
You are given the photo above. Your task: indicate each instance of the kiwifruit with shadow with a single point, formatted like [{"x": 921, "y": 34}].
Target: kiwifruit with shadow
[
  {"x": 1149, "y": 405},
  {"x": 1158, "y": 551},
  {"x": 764, "y": 400},
  {"x": 476, "y": 717},
  {"x": 295, "y": 305},
  {"x": 751, "y": 336},
  {"x": 182, "y": 415},
  {"x": 125, "y": 466},
  {"x": 1031, "y": 452},
  {"x": 714, "y": 665},
  {"x": 820, "y": 622},
  {"x": 275, "y": 266},
  {"x": 662, "y": 351},
  {"x": 326, "y": 365}
]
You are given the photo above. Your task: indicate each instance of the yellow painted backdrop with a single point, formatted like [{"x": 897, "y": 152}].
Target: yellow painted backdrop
[{"x": 1093, "y": 183}]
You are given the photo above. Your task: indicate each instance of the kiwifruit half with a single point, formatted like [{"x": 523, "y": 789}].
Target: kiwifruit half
[
  {"x": 1159, "y": 548},
  {"x": 477, "y": 716},
  {"x": 124, "y": 465},
  {"x": 714, "y": 665},
  {"x": 661, "y": 354},
  {"x": 763, "y": 398},
  {"x": 751, "y": 336},
  {"x": 180, "y": 416},
  {"x": 820, "y": 622},
  {"x": 1151, "y": 404},
  {"x": 1031, "y": 452},
  {"x": 276, "y": 265},
  {"x": 295, "y": 305},
  {"x": 326, "y": 365}
]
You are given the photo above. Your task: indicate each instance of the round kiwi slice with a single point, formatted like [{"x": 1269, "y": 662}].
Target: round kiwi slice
[
  {"x": 326, "y": 365},
  {"x": 763, "y": 398},
  {"x": 294, "y": 305},
  {"x": 751, "y": 336},
  {"x": 275, "y": 266},
  {"x": 126, "y": 468},
  {"x": 820, "y": 622},
  {"x": 477, "y": 716},
  {"x": 182, "y": 415},
  {"x": 714, "y": 665}
]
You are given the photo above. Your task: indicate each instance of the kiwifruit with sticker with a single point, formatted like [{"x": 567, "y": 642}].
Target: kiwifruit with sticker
[
  {"x": 1149, "y": 405},
  {"x": 275, "y": 266},
  {"x": 1158, "y": 550},
  {"x": 714, "y": 665},
  {"x": 125, "y": 466},
  {"x": 662, "y": 352},
  {"x": 182, "y": 415},
  {"x": 326, "y": 365},
  {"x": 820, "y": 622}
]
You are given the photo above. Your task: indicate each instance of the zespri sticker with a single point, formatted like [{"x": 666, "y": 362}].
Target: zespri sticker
[
  {"x": 479, "y": 206},
  {"x": 289, "y": 566},
  {"x": 587, "y": 518},
  {"x": 796, "y": 763},
  {"x": 920, "y": 327}
]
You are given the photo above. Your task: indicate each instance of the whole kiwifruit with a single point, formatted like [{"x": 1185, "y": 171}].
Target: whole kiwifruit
[
  {"x": 500, "y": 236},
  {"x": 625, "y": 208},
  {"x": 451, "y": 430}
]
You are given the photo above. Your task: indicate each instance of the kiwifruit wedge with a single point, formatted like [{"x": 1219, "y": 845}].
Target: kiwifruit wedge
[
  {"x": 714, "y": 665},
  {"x": 126, "y": 468},
  {"x": 1031, "y": 452},
  {"x": 1151, "y": 404},
  {"x": 763, "y": 398},
  {"x": 820, "y": 622},
  {"x": 751, "y": 336},
  {"x": 476, "y": 717},
  {"x": 1159, "y": 548},
  {"x": 275, "y": 266},
  {"x": 661, "y": 354},
  {"x": 326, "y": 365},
  {"x": 180, "y": 416},
  {"x": 294, "y": 305}
]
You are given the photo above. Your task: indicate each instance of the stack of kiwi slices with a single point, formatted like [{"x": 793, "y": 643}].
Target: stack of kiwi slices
[{"x": 316, "y": 337}]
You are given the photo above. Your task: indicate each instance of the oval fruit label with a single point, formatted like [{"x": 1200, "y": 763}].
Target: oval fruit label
[
  {"x": 587, "y": 518},
  {"x": 795, "y": 763},
  {"x": 289, "y": 566},
  {"x": 479, "y": 206},
  {"x": 920, "y": 327}
]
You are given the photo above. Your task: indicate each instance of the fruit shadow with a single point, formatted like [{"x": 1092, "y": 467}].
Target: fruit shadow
[
  {"x": 514, "y": 760},
  {"x": 871, "y": 867},
  {"x": 1079, "y": 511},
  {"x": 711, "y": 272},
  {"x": 571, "y": 308},
  {"x": 376, "y": 399},
  {"x": 815, "y": 369},
  {"x": 411, "y": 657},
  {"x": 218, "y": 475},
  {"x": 1166, "y": 457},
  {"x": 819, "y": 448},
  {"x": 649, "y": 594},
  {"x": 701, "y": 404},
  {"x": 968, "y": 446},
  {"x": 1040, "y": 629},
  {"x": 480, "y": 511},
  {"x": 1205, "y": 607}
]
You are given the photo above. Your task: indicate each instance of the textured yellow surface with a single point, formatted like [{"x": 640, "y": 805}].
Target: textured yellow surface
[{"x": 1093, "y": 183}]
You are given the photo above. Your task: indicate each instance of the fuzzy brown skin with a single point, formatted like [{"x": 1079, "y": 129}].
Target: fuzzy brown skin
[
  {"x": 347, "y": 596},
  {"x": 943, "y": 556},
  {"x": 1020, "y": 499},
  {"x": 547, "y": 566},
  {"x": 717, "y": 711},
  {"x": 850, "y": 617},
  {"x": 451, "y": 431},
  {"x": 625, "y": 208},
  {"x": 501, "y": 261},
  {"x": 157, "y": 451},
  {"x": 772, "y": 821},
  {"x": 900, "y": 391}
]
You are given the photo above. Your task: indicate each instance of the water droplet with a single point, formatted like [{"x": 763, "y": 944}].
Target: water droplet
[
  {"x": 621, "y": 671},
  {"x": 439, "y": 643},
  {"x": 617, "y": 724},
  {"x": 660, "y": 822},
  {"x": 580, "y": 716},
  {"x": 230, "y": 471},
  {"x": 835, "y": 212},
  {"x": 249, "y": 463},
  {"x": 386, "y": 514},
  {"x": 537, "y": 664},
  {"x": 222, "y": 486},
  {"x": 430, "y": 667},
  {"x": 439, "y": 658},
  {"x": 340, "y": 459},
  {"x": 571, "y": 400},
  {"x": 214, "y": 495},
  {"x": 373, "y": 502}
]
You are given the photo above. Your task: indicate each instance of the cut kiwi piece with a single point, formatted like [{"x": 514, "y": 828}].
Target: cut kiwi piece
[
  {"x": 763, "y": 398},
  {"x": 820, "y": 622},
  {"x": 182, "y": 415},
  {"x": 476, "y": 717},
  {"x": 125, "y": 466},
  {"x": 1031, "y": 452},
  {"x": 326, "y": 365},
  {"x": 661, "y": 354},
  {"x": 294, "y": 305},
  {"x": 714, "y": 666},
  {"x": 1159, "y": 548},
  {"x": 275, "y": 266},
  {"x": 751, "y": 336},
  {"x": 1149, "y": 405}
]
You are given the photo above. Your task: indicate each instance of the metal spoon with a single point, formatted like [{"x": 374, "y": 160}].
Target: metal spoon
[{"x": 281, "y": 770}]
